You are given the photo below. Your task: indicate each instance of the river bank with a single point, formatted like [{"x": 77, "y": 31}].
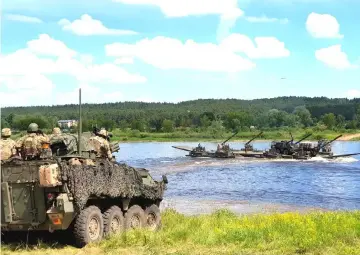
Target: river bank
[
  {"x": 224, "y": 232},
  {"x": 130, "y": 136}
]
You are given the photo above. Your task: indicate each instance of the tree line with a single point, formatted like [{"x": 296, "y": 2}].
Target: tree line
[{"x": 217, "y": 114}]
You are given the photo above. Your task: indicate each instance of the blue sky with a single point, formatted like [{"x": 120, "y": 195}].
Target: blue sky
[{"x": 176, "y": 50}]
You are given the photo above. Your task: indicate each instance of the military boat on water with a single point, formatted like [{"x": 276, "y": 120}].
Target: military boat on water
[
  {"x": 248, "y": 150},
  {"x": 223, "y": 150}
]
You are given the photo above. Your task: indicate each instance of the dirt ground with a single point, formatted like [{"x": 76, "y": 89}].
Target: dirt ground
[{"x": 349, "y": 137}]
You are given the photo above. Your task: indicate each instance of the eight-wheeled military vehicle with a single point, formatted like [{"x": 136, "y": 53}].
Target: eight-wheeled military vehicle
[{"x": 68, "y": 188}]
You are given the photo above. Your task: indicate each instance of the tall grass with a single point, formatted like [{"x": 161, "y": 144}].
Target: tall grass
[{"x": 226, "y": 233}]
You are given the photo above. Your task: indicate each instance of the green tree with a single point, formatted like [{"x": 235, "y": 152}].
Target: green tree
[
  {"x": 340, "y": 120},
  {"x": 138, "y": 125},
  {"x": 216, "y": 129},
  {"x": 205, "y": 121},
  {"x": 168, "y": 125},
  {"x": 304, "y": 115},
  {"x": 329, "y": 120}
]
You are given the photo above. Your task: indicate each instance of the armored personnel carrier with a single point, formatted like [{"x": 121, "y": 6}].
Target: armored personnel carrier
[{"x": 69, "y": 188}]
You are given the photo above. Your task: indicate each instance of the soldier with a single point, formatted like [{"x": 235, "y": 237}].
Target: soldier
[
  {"x": 101, "y": 144},
  {"x": 30, "y": 145},
  {"x": 56, "y": 134},
  {"x": 7, "y": 145}
]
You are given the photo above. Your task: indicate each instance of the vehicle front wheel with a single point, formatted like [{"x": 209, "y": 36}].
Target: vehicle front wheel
[
  {"x": 135, "y": 218},
  {"x": 89, "y": 226}
]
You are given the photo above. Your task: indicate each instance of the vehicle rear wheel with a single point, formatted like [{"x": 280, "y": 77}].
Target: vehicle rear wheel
[
  {"x": 113, "y": 220},
  {"x": 153, "y": 217},
  {"x": 135, "y": 218},
  {"x": 89, "y": 226}
]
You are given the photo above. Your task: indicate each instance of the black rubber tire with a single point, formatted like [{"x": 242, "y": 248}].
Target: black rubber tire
[
  {"x": 109, "y": 215},
  {"x": 153, "y": 217},
  {"x": 81, "y": 226},
  {"x": 135, "y": 211}
]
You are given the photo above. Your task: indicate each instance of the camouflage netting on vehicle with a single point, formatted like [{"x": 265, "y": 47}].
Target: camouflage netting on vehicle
[{"x": 107, "y": 179}]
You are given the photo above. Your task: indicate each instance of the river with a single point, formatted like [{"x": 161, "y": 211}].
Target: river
[{"x": 249, "y": 185}]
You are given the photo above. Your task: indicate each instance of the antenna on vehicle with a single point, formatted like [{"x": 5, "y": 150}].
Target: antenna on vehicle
[{"x": 80, "y": 125}]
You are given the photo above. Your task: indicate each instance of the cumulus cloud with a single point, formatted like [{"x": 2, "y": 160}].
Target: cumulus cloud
[
  {"x": 25, "y": 90},
  {"x": 265, "y": 19},
  {"x": 23, "y": 73},
  {"x": 45, "y": 45},
  {"x": 62, "y": 60},
  {"x": 227, "y": 10},
  {"x": 323, "y": 26},
  {"x": 168, "y": 53},
  {"x": 334, "y": 57},
  {"x": 22, "y": 18},
  {"x": 125, "y": 60},
  {"x": 182, "y": 8},
  {"x": 86, "y": 26},
  {"x": 266, "y": 47}
]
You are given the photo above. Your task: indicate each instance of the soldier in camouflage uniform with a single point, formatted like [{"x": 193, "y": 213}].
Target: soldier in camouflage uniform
[
  {"x": 56, "y": 135},
  {"x": 7, "y": 145},
  {"x": 30, "y": 145},
  {"x": 101, "y": 144}
]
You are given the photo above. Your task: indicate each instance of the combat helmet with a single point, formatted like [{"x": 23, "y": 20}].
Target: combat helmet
[
  {"x": 33, "y": 127},
  {"x": 56, "y": 131},
  {"x": 6, "y": 132},
  {"x": 103, "y": 132}
]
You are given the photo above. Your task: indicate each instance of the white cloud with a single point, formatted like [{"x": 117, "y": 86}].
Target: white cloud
[
  {"x": 266, "y": 47},
  {"x": 86, "y": 25},
  {"x": 353, "y": 93},
  {"x": 323, "y": 26},
  {"x": 228, "y": 10},
  {"x": 31, "y": 60},
  {"x": 26, "y": 90},
  {"x": 126, "y": 60},
  {"x": 23, "y": 18},
  {"x": 182, "y": 8},
  {"x": 334, "y": 57},
  {"x": 168, "y": 53},
  {"x": 45, "y": 45},
  {"x": 265, "y": 19}
]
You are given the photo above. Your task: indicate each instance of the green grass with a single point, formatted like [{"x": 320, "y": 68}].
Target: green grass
[
  {"x": 192, "y": 135},
  {"x": 226, "y": 233}
]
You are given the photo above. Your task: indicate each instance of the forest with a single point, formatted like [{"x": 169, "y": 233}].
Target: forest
[{"x": 211, "y": 115}]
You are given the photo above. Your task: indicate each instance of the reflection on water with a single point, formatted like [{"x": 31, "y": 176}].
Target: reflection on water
[{"x": 331, "y": 184}]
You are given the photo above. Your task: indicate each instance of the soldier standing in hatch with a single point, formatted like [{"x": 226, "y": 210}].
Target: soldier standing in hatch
[
  {"x": 30, "y": 144},
  {"x": 7, "y": 145},
  {"x": 101, "y": 144},
  {"x": 56, "y": 134}
]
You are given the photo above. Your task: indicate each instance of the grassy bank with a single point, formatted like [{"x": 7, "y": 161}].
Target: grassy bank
[
  {"x": 225, "y": 233},
  {"x": 204, "y": 136},
  {"x": 179, "y": 136}
]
